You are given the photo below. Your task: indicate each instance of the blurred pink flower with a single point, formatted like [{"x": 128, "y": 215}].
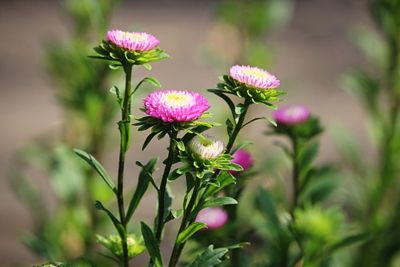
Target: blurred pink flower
[
  {"x": 132, "y": 41},
  {"x": 242, "y": 158},
  {"x": 213, "y": 217},
  {"x": 291, "y": 115},
  {"x": 175, "y": 106},
  {"x": 254, "y": 77}
]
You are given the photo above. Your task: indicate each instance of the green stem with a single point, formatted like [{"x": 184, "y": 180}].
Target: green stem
[
  {"x": 188, "y": 216},
  {"x": 186, "y": 220},
  {"x": 124, "y": 139},
  {"x": 163, "y": 186},
  {"x": 238, "y": 126},
  {"x": 295, "y": 175}
]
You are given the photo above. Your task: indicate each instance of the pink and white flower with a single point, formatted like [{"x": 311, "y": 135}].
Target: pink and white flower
[
  {"x": 206, "y": 147},
  {"x": 291, "y": 115},
  {"x": 132, "y": 41},
  {"x": 213, "y": 217},
  {"x": 254, "y": 77},
  {"x": 175, "y": 106}
]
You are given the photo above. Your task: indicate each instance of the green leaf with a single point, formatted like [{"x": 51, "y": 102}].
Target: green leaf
[
  {"x": 147, "y": 66},
  {"x": 226, "y": 99},
  {"x": 180, "y": 145},
  {"x": 153, "y": 81},
  {"x": 351, "y": 240},
  {"x": 149, "y": 175},
  {"x": 114, "y": 220},
  {"x": 219, "y": 201},
  {"x": 189, "y": 231},
  {"x": 209, "y": 258},
  {"x": 266, "y": 206},
  {"x": 98, "y": 167},
  {"x": 142, "y": 185},
  {"x": 174, "y": 214},
  {"x": 150, "y": 80},
  {"x": 151, "y": 245},
  {"x": 223, "y": 179},
  {"x": 229, "y": 126},
  {"x": 239, "y": 108},
  {"x": 148, "y": 139},
  {"x": 174, "y": 175},
  {"x": 115, "y": 90},
  {"x": 125, "y": 130},
  {"x": 307, "y": 156}
]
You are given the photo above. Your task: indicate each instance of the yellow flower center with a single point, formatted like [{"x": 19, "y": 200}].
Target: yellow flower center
[
  {"x": 177, "y": 100},
  {"x": 136, "y": 37},
  {"x": 255, "y": 72}
]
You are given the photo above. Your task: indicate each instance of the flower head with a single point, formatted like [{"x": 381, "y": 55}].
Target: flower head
[
  {"x": 291, "y": 115},
  {"x": 213, "y": 217},
  {"x": 206, "y": 148},
  {"x": 133, "y": 41},
  {"x": 254, "y": 77},
  {"x": 242, "y": 158},
  {"x": 175, "y": 106}
]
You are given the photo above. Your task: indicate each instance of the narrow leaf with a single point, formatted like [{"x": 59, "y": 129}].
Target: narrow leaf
[
  {"x": 98, "y": 167},
  {"x": 219, "y": 201},
  {"x": 151, "y": 245},
  {"x": 142, "y": 185},
  {"x": 189, "y": 231}
]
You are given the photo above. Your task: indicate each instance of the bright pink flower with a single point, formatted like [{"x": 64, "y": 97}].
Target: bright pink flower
[
  {"x": 242, "y": 158},
  {"x": 133, "y": 41},
  {"x": 291, "y": 115},
  {"x": 175, "y": 106},
  {"x": 254, "y": 77},
  {"x": 213, "y": 217}
]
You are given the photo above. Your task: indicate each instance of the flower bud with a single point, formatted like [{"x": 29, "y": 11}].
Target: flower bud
[
  {"x": 207, "y": 147},
  {"x": 213, "y": 217}
]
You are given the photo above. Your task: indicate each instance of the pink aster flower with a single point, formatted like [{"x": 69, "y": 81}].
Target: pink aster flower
[
  {"x": 254, "y": 77},
  {"x": 242, "y": 158},
  {"x": 291, "y": 115},
  {"x": 175, "y": 106},
  {"x": 213, "y": 217},
  {"x": 132, "y": 41}
]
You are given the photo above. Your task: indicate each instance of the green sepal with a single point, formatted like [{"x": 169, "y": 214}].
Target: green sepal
[{"x": 111, "y": 52}]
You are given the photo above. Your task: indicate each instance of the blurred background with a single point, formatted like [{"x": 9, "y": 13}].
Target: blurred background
[{"x": 308, "y": 44}]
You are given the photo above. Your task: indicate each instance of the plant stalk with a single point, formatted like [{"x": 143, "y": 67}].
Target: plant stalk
[
  {"x": 163, "y": 186},
  {"x": 125, "y": 119}
]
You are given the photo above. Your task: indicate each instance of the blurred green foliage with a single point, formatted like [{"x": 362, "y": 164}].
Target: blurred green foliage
[
  {"x": 64, "y": 228},
  {"x": 374, "y": 201},
  {"x": 245, "y": 25}
]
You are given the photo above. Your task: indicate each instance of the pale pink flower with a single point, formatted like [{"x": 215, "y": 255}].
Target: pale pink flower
[
  {"x": 132, "y": 41},
  {"x": 254, "y": 77}
]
